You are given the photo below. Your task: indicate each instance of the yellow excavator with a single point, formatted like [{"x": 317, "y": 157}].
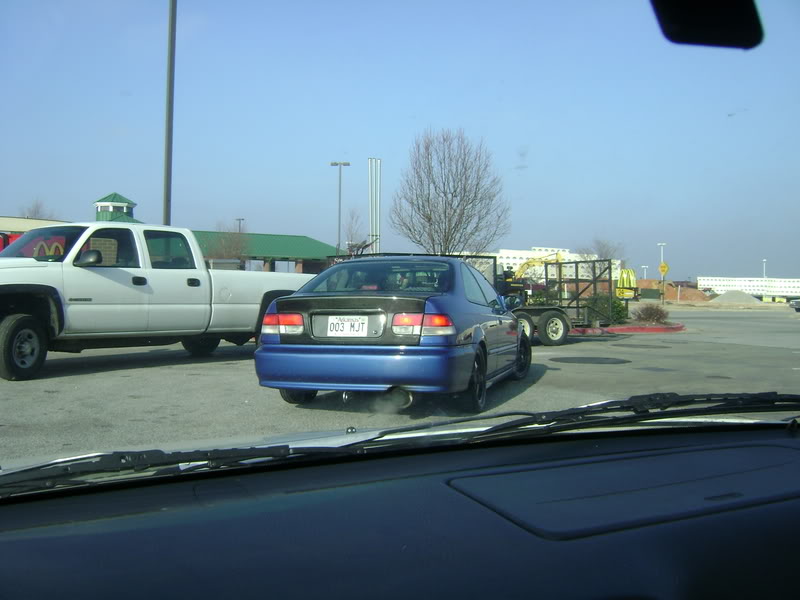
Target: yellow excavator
[{"x": 513, "y": 281}]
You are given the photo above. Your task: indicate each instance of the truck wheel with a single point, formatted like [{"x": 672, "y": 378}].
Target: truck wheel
[
  {"x": 200, "y": 346},
  {"x": 298, "y": 396},
  {"x": 552, "y": 328},
  {"x": 23, "y": 344},
  {"x": 522, "y": 364},
  {"x": 526, "y": 324}
]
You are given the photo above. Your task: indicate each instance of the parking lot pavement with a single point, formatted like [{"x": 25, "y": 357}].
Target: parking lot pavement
[{"x": 162, "y": 398}]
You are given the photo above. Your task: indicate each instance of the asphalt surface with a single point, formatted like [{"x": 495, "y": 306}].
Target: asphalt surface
[{"x": 162, "y": 398}]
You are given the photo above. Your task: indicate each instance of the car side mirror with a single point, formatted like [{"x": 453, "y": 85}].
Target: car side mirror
[
  {"x": 89, "y": 258},
  {"x": 512, "y": 302}
]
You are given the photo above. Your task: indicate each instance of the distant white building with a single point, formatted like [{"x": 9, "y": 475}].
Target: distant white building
[
  {"x": 755, "y": 286},
  {"x": 513, "y": 259}
]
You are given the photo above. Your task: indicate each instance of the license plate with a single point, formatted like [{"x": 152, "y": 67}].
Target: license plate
[{"x": 344, "y": 326}]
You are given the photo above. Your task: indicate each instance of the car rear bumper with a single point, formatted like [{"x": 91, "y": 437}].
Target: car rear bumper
[{"x": 442, "y": 369}]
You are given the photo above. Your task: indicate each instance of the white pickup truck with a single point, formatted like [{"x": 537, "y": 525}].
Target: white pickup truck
[{"x": 75, "y": 286}]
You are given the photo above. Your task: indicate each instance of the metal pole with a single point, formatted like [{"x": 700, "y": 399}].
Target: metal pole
[
  {"x": 663, "y": 286},
  {"x": 173, "y": 8},
  {"x": 339, "y": 227}
]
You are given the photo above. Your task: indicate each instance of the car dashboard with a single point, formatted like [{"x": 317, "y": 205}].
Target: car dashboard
[{"x": 655, "y": 514}]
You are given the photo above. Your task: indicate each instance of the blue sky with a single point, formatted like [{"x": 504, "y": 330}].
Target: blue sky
[{"x": 599, "y": 128}]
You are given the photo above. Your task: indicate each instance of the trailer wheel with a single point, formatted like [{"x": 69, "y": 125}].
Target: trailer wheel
[
  {"x": 23, "y": 345},
  {"x": 552, "y": 328},
  {"x": 526, "y": 324}
]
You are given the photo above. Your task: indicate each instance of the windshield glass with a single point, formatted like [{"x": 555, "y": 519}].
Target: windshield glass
[
  {"x": 632, "y": 201},
  {"x": 49, "y": 244},
  {"x": 382, "y": 276}
]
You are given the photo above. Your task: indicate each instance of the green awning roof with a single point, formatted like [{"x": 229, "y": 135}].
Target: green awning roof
[
  {"x": 267, "y": 245},
  {"x": 107, "y": 215},
  {"x": 117, "y": 198}
]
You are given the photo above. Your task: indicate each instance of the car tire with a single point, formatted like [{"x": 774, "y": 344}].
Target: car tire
[
  {"x": 23, "y": 344},
  {"x": 552, "y": 328},
  {"x": 522, "y": 364},
  {"x": 473, "y": 399},
  {"x": 526, "y": 324},
  {"x": 298, "y": 396},
  {"x": 200, "y": 346}
]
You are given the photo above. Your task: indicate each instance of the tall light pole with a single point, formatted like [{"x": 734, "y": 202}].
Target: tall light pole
[
  {"x": 661, "y": 270},
  {"x": 167, "y": 210},
  {"x": 764, "y": 263},
  {"x": 339, "y": 226},
  {"x": 645, "y": 271}
]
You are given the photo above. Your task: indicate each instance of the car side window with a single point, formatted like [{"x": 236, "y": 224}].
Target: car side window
[
  {"x": 168, "y": 250},
  {"x": 116, "y": 246},
  {"x": 487, "y": 289},
  {"x": 472, "y": 288}
]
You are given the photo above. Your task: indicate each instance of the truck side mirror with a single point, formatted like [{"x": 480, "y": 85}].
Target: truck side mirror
[{"x": 89, "y": 258}]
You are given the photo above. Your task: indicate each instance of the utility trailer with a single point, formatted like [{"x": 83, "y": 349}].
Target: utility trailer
[{"x": 576, "y": 294}]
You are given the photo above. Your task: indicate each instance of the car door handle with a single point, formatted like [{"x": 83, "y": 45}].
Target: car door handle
[
  {"x": 139, "y": 281},
  {"x": 192, "y": 282}
]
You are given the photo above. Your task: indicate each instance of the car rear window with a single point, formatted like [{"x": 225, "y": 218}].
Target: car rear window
[{"x": 383, "y": 276}]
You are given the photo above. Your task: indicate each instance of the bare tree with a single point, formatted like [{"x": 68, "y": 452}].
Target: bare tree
[
  {"x": 37, "y": 210},
  {"x": 603, "y": 249},
  {"x": 448, "y": 200},
  {"x": 231, "y": 243},
  {"x": 357, "y": 243}
]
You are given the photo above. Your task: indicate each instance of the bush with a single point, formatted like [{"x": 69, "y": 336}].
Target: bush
[
  {"x": 651, "y": 313},
  {"x": 597, "y": 309}
]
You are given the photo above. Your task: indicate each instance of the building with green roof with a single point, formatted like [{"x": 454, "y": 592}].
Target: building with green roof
[{"x": 299, "y": 252}]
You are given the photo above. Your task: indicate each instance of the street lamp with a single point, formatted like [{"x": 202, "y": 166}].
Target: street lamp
[
  {"x": 339, "y": 226},
  {"x": 645, "y": 271},
  {"x": 764, "y": 263},
  {"x": 661, "y": 245},
  {"x": 661, "y": 269}
]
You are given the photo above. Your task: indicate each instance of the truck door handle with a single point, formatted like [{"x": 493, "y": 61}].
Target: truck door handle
[
  {"x": 192, "y": 282},
  {"x": 139, "y": 281}
]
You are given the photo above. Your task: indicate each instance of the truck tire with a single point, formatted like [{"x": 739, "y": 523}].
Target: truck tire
[
  {"x": 552, "y": 328},
  {"x": 298, "y": 396},
  {"x": 23, "y": 344},
  {"x": 526, "y": 324},
  {"x": 200, "y": 346}
]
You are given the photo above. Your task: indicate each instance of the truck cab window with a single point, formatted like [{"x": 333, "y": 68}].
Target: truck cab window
[
  {"x": 116, "y": 246},
  {"x": 168, "y": 250}
]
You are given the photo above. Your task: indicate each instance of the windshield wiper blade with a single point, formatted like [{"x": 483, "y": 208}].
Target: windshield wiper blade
[
  {"x": 638, "y": 409},
  {"x": 85, "y": 469}
]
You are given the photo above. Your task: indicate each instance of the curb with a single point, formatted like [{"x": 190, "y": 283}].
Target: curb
[{"x": 627, "y": 329}]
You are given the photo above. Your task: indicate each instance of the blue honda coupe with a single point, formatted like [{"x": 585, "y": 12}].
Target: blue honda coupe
[{"x": 407, "y": 325}]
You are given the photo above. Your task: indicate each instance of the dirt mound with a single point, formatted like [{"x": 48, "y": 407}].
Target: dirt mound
[
  {"x": 687, "y": 294},
  {"x": 736, "y": 297}
]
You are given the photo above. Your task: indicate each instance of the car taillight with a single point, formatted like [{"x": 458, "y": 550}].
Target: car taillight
[
  {"x": 407, "y": 324},
  {"x": 438, "y": 325},
  {"x": 419, "y": 324},
  {"x": 282, "y": 323}
]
